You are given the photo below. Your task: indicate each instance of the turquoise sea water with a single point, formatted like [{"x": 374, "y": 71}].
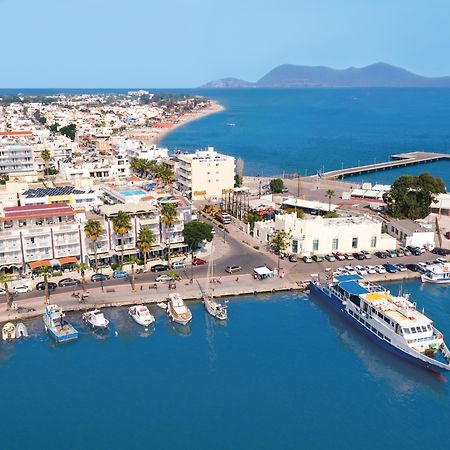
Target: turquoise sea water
[{"x": 283, "y": 373}]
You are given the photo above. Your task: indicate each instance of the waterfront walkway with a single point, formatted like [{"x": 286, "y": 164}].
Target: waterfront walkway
[{"x": 398, "y": 160}]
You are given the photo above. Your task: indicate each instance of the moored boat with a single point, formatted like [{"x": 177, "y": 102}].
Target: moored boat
[
  {"x": 392, "y": 322},
  {"x": 57, "y": 326},
  {"x": 8, "y": 331},
  {"x": 21, "y": 330},
  {"x": 95, "y": 319},
  {"x": 177, "y": 310},
  {"x": 438, "y": 274},
  {"x": 141, "y": 315}
]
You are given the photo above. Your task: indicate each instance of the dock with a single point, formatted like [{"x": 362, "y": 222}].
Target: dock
[{"x": 398, "y": 160}]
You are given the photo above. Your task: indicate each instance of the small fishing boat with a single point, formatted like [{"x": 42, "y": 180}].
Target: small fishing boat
[
  {"x": 438, "y": 274},
  {"x": 141, "y": 315},
  {"x": 57, "y": 326},
  {"x": 21, "y": 330},
  {"x": 8, "y": 331},
  {"x": 162, "y": 305},
  {"x": 95, "y": 319},
  {"x": 177, "y": 310}
]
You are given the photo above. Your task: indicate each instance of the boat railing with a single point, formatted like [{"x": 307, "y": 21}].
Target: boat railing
[{"x": 445, "y": 351}]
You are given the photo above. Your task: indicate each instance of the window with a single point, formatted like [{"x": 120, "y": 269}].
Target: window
[
  {"x": 335, "y": 244},
  {"x": 351, "y": 312},
  {"x": 380, "y": 334},
  {"x": 355, "y": 242},
  {"x": 406, "y": 331},
  {"x": 315, "y": 245},
  {"x": 373, "y": 241},
  {"x": 386, "y": 320},
  {"x": 413, "y": 329},
  {"x": 424, "y": 328}
]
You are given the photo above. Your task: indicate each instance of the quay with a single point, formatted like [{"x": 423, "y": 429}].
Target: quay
[{"x": 398, "y": 160}]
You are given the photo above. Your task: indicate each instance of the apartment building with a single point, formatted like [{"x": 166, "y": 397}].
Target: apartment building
[
  {"x": 15, "y": 157},
  {"x": 205, "y": 174}
]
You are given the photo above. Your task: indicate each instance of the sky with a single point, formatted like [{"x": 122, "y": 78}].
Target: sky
[{"x": 185, "y": 43}]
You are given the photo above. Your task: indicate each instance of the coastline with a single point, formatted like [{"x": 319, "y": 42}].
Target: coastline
[{"x": 213, "y": 108}]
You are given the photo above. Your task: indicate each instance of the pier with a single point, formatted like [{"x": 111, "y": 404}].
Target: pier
[{"x": 398, "y": 160}]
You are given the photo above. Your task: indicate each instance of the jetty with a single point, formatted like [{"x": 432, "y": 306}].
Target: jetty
[{"x": 398, "y": 160}]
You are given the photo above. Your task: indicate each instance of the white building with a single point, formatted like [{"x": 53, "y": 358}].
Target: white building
[
  {"x": 205, "y": 174},
  {"x": 321, "y": 236},
  {"x": 15, "y": 158},
  {"x": 409, "y": 232},
  {"x": 134, "y": 149}
]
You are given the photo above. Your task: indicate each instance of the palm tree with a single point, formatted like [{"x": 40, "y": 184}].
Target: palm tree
[
  {"x": 5, "y": 279},
  {"x": 133, "y": 261},
  {"x": 330, "y": 194},
  {"x": 121, "y": 226},
  {"x": 169, "y": 216},
  {"x": 93, "y": 230},
  {"x": 81, "y": 269},
  {"x": 45, "y": 155},
  {"x": 146, "y": 239},
  {"x": 47, "y": 272}
]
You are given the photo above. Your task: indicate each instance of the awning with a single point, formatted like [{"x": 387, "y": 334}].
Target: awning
[
  {"x": 261, "y": 271},
  {"x": 68, "y": 260},
  {"x": 37, "y": 264}
]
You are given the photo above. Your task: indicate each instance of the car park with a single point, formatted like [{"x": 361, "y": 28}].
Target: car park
[
  {"x": 307, "y": 259},
  {"x": 330, "y": 258},
  {"x": 293, "y": 258},
  {"x": 371, "y": 269},
  {"x": 339, "y": 256},
  {"x": 159, "y": 268},
  {"x": 21, "y": 289},
  {"x": 360, "y": 270},
  {"x": 348, "y": 256},
  {"x": 381, "y": 255},
  {"x": 401, "y": 267},
  {"x": 366, "y": 254},
  {"x": 413, "y": 267},
  {"x": 68, "y": 282},
  {"x": 99, "y": 277},
  {"x": 233, "y": 269},
  {"x": 41, "y": 286},
  {"x": 178, "y": 265},
  {"x": 380, "y": 269},
  {"x": 198, "y": 262},
  {"x": 390, "y": 268},
  {"x": 120, "y": 274},
  {"x": 163, "y": 277},
  {"x": 317, "y": 258}
]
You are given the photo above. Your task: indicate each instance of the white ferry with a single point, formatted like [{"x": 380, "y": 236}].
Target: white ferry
[
  {"x": 391, "y": 321},
  {"x": 439, "y": 274}
]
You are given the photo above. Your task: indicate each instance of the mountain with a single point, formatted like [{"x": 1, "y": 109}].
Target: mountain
[{"x": 375, "y": 75}]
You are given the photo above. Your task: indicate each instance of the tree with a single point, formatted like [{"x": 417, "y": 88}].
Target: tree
[
  {"x": 195, "y": 232},
  {"x": 5, "y": 279},
  {"x": 54, "y": 127},
  {"x": 279, "y": 243},
  {"x": 133, "y": 261},
  {"x": 169, "y": 215},
  {"x": 81, "y": 269},
  {"x": 45, "y": 155},
  {"x": 330, "y": 194},
  {"x": 276, "y": 185},
  {"x": 47, "y": 272},
  {"x": 69, "y": 131},
  {"x": 331, "y": 215},
  {"x": 410, "y": 197},
  {"x": 121, "y": 225},
  {"x": 146, "y": 240},
  {"x": 237, "y": 180},
  {"x": 93, "y": 230}
]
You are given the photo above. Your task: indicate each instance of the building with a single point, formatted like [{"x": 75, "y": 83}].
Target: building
[
  {"x": 441, "y": 205},
  {"x": 321, "y": 236},
  {"x": 409, "y": 232},
  {"x": 39, "y": 235},
  {"x": 15, "y": 158},
  {"x": 74, "y": 196},
  {"x": 205, "y": 174}
]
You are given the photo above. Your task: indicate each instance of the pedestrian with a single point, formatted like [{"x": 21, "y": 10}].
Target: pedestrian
[
  {"x": 237, "y": 279},
  {"x": 141, "y": 287}
]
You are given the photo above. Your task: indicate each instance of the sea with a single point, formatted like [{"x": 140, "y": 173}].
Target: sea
[{"x": 283, "y": 373}]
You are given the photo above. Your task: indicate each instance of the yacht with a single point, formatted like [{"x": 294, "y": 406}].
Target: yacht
[
  {"x": 141, "y": 315},
  {"x": 57, "y": 326},
  {"x": 393, "y": 322},
  {"x": 177, "y": 310},
  {"x": 8, "y": 331},
  {"x": 212, "y": 306},
  {"x": 438, "y": 274},
  {"x": 95, "y": 319}
]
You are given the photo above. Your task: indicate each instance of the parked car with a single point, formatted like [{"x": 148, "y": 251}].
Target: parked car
[
  {"x": 41, "y": 286},
  {"x": 350, "y": 270},
  {"x": 360, "y": 270},
  {"x": 441, "y": 260},
  {"x": 423, "y": 266},
  {"x": 392, "y": 253},
  {"x": 233, "y": 269},
  {"x": 440, "y": 251},
  {"x": 330, "y": 258},
  {"x": 371, "y": 269},
  {"x": 381, "y": 255},
  {"x": 159, "y": 268},
  {"x": 120, "y": 274},
  {"x": 405, "y": 251},
  {"x": 21, "y": 289},
  {"x": 307, "y": 259},
  {"x": 317, "y": 258},
  {"x": 339, "y": 256},
  {"x": 414, "y": 250},
  {"x": 401, "y": 267},
  {"x": 163, "y": 277},
  {"x": 2, "y": 292},
  {"x": 293, "y": 258},
  {"x": 178, "y": 265},
  {"x": 68, "y": 282},
  {"x": 390, "y": 268},
  {"x": 413, "y": 267},
  {"x": 400, "y": 252},
  {"x": 360, "y": 256},
  {"x": 99, "y": 277},
  {"x": 198, "y": 262},
  {"x": 380, "y": 269},
  {"x": 348, "y": 256},
  {"x": 366, "y": 254}
]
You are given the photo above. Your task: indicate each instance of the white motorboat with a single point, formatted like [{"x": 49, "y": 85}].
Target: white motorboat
[
  {"x": 438, "y": 274},
  {"x": 162, "y": 305},
  {"x": 177, "y": 310},
  {"x": 8, "y": 331},
  {"x": 141, "y": 315},
  {"x": 21, "y": 330},
  {"x": 95, "y": 319}
]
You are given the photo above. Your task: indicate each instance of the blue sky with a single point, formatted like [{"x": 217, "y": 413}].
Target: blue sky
[{"x": 184, "y": 43}]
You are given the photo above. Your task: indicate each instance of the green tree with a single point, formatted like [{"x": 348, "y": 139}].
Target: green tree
[
  {"x": 81, "y": 269},
  {"x": 276, "y": 185},
  {"x": 121, "y": 225},
  {"x": 169, "y": 217},
  {"x": 237, "y": 180},
  {"x": 410, "y": 197},
  {"x": 279, "y": 243},
  {"x": 69, "y": 131},
  {"x": 45, "y": 155},
  {"x": 47, "y": 272},
  {"x": 331, "y": 215},
  {"x": 93, "y": 230},
  {"x": 330, "y": 194},
  {"x": 54, "y": 127},
  {"x": 195, "y": 232},
  {"x": 146, "y": 240},
  {"x": 5, "y": 279}
]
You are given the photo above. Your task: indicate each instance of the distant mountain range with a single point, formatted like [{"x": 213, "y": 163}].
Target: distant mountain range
[{"x": 375, "y": 75}]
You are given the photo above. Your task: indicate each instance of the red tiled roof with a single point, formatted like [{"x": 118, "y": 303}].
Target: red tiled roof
[
  {"x": 16, "y": 133},
  {"x": 30, "y": 211}
]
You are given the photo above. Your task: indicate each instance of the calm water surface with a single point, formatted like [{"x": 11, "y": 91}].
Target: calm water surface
[{"x": 282, "y": 373}]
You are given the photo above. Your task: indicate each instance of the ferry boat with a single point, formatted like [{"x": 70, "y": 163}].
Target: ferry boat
[
  {"x": 57, "y": 326},
  {"x": 439, "y": 274},
  {"x": 393, "y": 322}
]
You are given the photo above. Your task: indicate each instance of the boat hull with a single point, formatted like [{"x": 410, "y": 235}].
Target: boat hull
[
  {"x": 336, "y": 305},
  {"x": 426, "y": 279},
  {"x": 62, "y": 338}
]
